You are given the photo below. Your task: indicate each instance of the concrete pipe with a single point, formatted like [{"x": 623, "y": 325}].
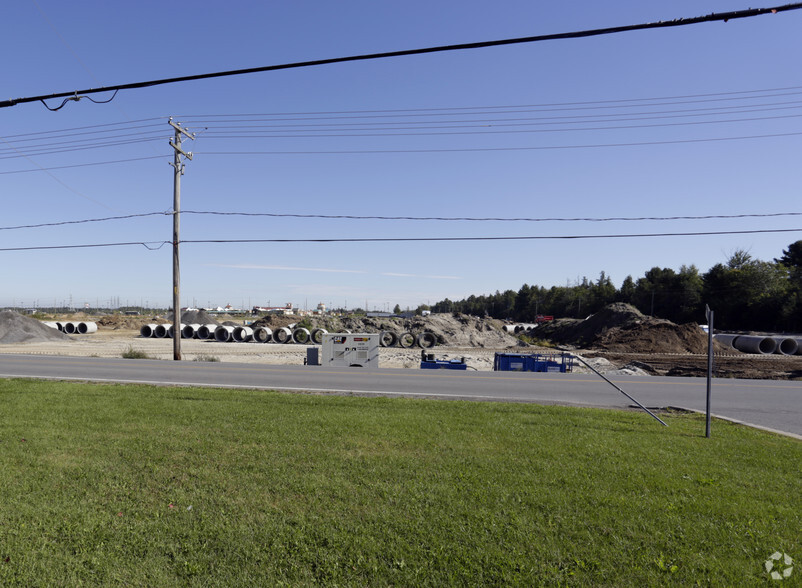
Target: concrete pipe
[
  {"x": 301, "y": 335},
  {"x": 388, "y": 339},
  {"x": 160, "y": 332},
  {"x": 189, "y": 331},
  {"x": 85, "y": 328},
  {"x": 60, "y": 326},
  {"x": 426, "y": 340},
  {"x": 799, "y": 346},
  {"x": 148, "y": 331},
  {"x": 317, "y": 336},
  {"x": 223, "y": 334},
  {"x": 406, "y": 340},
  {"x": 206, "y": 331},
  {"x": 242, "y": 334},
  {"x": 786, "y": 345},
  {"x": 282, "y": 335},
  {"x": 70, "y": 328},
  {"x": 755, "y": 344},
  {"x": 51, "y": 324},
  {"x": 262, "y": 335},
  {"x": 727, "y": 339},
  {"x": 509, "y": 329}
]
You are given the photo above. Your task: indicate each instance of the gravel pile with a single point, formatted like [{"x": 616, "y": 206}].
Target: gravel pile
[{"x": 16, "y": 328}]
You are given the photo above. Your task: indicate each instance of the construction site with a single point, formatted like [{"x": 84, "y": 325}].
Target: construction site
[{"x": 617, "y": 340}]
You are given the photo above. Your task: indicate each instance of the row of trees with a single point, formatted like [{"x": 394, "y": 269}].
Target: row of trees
[{"x": 745, "y": 293}]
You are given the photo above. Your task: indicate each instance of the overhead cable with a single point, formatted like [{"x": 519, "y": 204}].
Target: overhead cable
[
  {"x": 499, "y": 238},
  {"x": 154, "y": 245},
  {"x": 84, "y": 221},
  {"x": 490, "y": 219},
  {"x": 483, "y": 149},
  {"x": 720, "y": 17}
]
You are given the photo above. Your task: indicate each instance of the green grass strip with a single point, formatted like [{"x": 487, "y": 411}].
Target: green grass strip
[{"x": 146, "y": 486}]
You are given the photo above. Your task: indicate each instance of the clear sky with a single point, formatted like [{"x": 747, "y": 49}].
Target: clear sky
[{"x": 688, "y": 121}]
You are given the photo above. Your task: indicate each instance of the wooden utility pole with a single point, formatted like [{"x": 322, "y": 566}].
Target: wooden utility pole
[{"x": 179, "y": 171}]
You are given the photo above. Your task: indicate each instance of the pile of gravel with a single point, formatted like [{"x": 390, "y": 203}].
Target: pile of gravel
[{"x": 16, "y": 328}]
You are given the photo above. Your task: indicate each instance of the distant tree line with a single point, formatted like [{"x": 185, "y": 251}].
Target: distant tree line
[{"x": 745, "y": 293}]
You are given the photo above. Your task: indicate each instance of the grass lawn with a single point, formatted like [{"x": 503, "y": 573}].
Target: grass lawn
[{"x": 146, "y": 486}]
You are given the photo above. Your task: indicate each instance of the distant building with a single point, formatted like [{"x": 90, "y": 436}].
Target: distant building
[{"x": 286, "y": 309}]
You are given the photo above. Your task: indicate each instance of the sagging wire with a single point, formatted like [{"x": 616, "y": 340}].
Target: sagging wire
[{"x": 76, "y": 98}]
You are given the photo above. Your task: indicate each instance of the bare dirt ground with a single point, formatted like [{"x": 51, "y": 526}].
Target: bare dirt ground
[{"x": 618, "y": 340}]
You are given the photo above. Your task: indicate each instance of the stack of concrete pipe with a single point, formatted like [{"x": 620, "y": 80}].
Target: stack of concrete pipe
[
  {"x": 281, "y": 335},
  {"x": 762, "y": 344},
  {"x": 74, "y": 327}
]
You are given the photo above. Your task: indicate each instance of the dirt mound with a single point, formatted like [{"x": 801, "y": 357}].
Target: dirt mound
[
  {"x": 623, "y": 328},
  {"x": 195, "y": 317},
  {"x": 457, "y": 330},
  {"x": 16, "y": 328},
  {"x": 117, "y": 322}
]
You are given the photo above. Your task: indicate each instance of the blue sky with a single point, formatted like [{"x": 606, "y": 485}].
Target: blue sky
[{"x": 637, "y": 124}]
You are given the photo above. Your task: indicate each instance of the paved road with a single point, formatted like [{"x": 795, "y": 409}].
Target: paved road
[{"x": 770, "y": 404}]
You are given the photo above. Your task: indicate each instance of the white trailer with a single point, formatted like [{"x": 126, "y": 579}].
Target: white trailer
[{"x": 350, "y": 350}]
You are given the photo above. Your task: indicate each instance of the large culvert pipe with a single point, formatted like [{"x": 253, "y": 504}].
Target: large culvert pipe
[
  {"x": 406, "y": 340},
  {"x": 727, "y": 339},
  {"x": 317, "y": 336},
  {"x": 799, "y": 346},
  {"x": 262, "y": 335},
  {"x": 755, "y": 344},
  {"x": 786, "y": 345},
  {"x": 242, "y": 334},
  {"x": 388, "y": 339},
  {"x": 161, "y": 331},
  {"x": 301, "y": 335},
  {"x": 148, "y": 331},
  {"x": 223, "y": 333},
  {"x": 189, "y": 331},
  {"x": 84, "y": 328},
  {"x": 171, "y": 330},
  {"x": 60, "y": 326},
  {"x": 51, "y": 324},
  {"x": 206, "y": 331},
  {"x": 70, "y": 328},
  {"x": 426, "y": 340},
  {"x": 509, "y": 329},
  {"x": 282, "y": 335}
]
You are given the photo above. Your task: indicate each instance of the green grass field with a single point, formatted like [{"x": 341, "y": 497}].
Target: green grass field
[{"x": 145, "y": 486}]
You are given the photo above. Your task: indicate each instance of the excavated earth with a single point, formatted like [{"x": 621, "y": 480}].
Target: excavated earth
[{"x": 618, "y": 339}]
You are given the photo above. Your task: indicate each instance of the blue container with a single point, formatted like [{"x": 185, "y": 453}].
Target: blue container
[
  {"x": 533, "y": 362},
  {"x": 441, "y": 364}
]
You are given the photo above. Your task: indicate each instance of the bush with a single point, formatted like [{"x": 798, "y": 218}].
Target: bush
[
  {"x": 203, "y": 357},
  {"x": 132, "y": 353}
]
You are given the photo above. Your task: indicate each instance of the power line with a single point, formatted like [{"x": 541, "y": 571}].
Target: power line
[
  {"x": 724, "y": 16},
  {"x": 491, "y": 219},
  {"x": 483, "y": 149},
  {"x": 154, "y": 245},
  {"x": 89, "y": 220},
  {"x": 150, "y": 245},
  {"x": 412, "y": 218},
  {"x": 25, "y": 171},
  {"x": 500, "y": 238}
]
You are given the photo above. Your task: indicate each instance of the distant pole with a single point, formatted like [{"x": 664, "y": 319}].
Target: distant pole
[
  {"x": 709, "y": 315},
  {"x": 179, "y": 171}
]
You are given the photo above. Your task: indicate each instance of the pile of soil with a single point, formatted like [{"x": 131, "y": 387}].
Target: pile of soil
[
  {"x": 116, "y": 322},
  {"x": 196, "y": 317},
  {"x": 621, "y": 327},
  {"x": 16, "y": 328}
]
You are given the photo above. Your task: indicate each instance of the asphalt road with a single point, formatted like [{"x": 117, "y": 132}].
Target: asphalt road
[{"x": 770, "y": 404}]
